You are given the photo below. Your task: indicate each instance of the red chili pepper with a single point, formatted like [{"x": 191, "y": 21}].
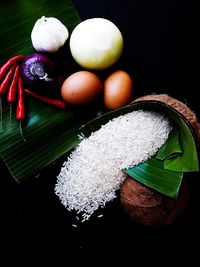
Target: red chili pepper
[
  {"x": 55, "y": 102},
  {"x": 7, "y": 80},
  {"x": 20, "y": 109},
  {"x": 6, "y": 66},
  {"x": 12, "y": 91}
]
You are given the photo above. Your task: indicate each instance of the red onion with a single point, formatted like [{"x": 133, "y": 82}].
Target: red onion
[{"x": 38, "y": 71}]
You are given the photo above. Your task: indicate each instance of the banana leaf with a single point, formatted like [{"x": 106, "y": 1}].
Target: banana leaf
[
  {"x": 179, "y": 154},
  {"x": 153, "y": 174},
  {"x": 172, "y": 147},
  {"x": 49, "y": 132},
  {"x": 19, "y": 16}
]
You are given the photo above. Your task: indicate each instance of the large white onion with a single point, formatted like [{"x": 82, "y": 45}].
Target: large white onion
[{"x": 96, "y": 43}]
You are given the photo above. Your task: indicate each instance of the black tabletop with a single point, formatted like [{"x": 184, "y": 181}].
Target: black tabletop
[{"x": 161, "y": 52}]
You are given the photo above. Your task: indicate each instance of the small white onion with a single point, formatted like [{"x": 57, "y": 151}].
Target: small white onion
[
  {"x": 96, "y": 43},
  {"x": 48, "y": 35}
]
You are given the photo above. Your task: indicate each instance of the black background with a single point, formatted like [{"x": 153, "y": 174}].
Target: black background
[{"x": 161, "y": 53}]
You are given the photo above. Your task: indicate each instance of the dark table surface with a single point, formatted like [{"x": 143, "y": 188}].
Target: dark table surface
[{"x": 162, "y": 54}]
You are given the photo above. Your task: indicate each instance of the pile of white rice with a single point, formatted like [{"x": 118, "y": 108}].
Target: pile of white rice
[{"x": 93, "y": 172}]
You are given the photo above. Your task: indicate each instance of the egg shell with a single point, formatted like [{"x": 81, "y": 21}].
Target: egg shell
[
  {"x": 118, "y": 90},
  {"x": 82, "y": 87}
]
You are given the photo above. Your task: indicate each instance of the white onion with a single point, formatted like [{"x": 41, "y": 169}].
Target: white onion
[
  {"x": 48, "y": 35},
  {"x": 96, "y": 43}
]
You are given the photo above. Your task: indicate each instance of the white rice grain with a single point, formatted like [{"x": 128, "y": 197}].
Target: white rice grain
[{"x": 93, "y": 172}]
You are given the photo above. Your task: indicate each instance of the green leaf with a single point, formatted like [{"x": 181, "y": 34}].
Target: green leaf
[
  {"x": 153, "y": 174},
  {"x": 18, "y": 18},
  {"x": 187, "y": 161},
  {"x": 172, "y": 147},
  {"x": 177, "y": 152},
  {"x": 49, "y": 132}
]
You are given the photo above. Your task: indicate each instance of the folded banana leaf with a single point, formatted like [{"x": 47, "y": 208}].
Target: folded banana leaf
[{"x": 153, "y": 174}]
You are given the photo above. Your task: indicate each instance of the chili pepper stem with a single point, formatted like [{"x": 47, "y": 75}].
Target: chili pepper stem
[{"x": 21, "y": 131}]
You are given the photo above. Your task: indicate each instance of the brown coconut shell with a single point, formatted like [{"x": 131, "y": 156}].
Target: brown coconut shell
[
  {"x": 148, "y": 207},
  {"x": 145, "y": 205}
]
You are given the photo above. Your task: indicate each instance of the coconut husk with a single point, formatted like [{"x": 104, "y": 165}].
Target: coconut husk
[
  {"x": 148, "y": 207},
  {"x": 145, "y": 205}
]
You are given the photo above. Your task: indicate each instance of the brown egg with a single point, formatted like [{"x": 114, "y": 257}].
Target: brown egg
[
  {"x": 81, "y": 88},
  {"x": 118, "y": 89}
]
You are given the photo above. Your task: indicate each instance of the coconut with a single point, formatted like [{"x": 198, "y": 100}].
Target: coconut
[{"x": 145, "y": 205}]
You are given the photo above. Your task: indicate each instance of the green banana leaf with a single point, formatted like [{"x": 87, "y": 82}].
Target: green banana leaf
[
  {"x": 179, "y": 151},
  {"x": 49, "y": 132},
  {"x": 19, "y": 16},
  {"x": 153, "y": 174},
  {"x": 172, "y": 147}
]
